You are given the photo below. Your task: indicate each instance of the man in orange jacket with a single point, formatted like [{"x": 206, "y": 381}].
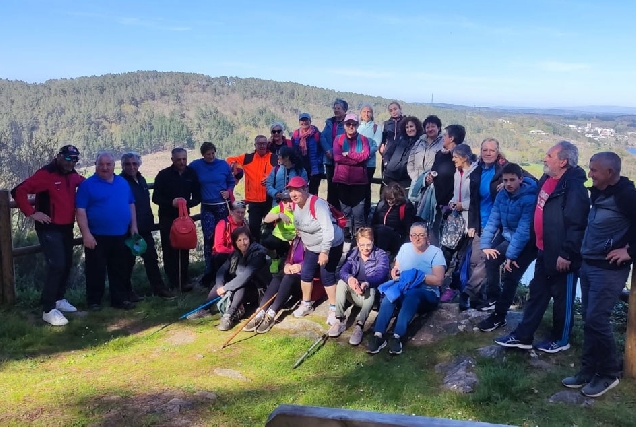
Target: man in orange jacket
[{"x": 256, "y": 166}]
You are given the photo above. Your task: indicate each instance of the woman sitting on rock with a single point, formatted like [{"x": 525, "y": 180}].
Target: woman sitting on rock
[{"x": 392, "y": 218}]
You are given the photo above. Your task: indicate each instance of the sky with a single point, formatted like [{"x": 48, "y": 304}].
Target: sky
[{"x": 541, "y": 53}]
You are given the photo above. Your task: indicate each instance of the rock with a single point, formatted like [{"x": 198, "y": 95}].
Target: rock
[
  {"x": 570, "y": 397},
  {"x": 113, "y": 398},
  {"x": 491, "y": 351},
  {"x": 230, "y": 373},
  {"x": 541, "y": 364},
  {"x": 206, "y": 395},
  {"x": 459, "y": 376},
  {"x": 181, "y": 337}
]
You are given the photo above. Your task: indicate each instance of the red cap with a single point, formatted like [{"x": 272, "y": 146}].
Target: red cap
[{"x": 297, "y": 182}]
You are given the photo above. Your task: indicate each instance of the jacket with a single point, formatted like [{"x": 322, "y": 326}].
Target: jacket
[
  {"x": 373, "y": 132},
  {"x": 444, "y": 166},
  {"x": 376, "y": 268},
  {"x": 395, "y": 161},
  {"x": 312, "y": 161},
  {"x": 388, "y": 215},
  {"x": 611, "y": 224},
  {"x": 461, "y": 190},
  {"x": 241, "y": 270},
  {"x": 408, "y": 279},
  {"x": 513, "y": 214},
  {"x": 278, "y": 179},
  {"x": 169, "y": 185},
  {"x": 351, "y": 169},
  {"x": 328, "y": 135},
  {"x": 422, "y": 156},
  {"x": 256, "y": 168},
  {"x": 223, "y": 235},
  {"x": 391, "y": 132},
  {"x": 141, "y": 193},
  {"x": 54, "y": 195},
  {"x": 564, "y": 219}
]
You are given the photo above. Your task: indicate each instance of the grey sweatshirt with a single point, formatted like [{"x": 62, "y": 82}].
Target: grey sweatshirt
[{"x": 318, "y": 234}]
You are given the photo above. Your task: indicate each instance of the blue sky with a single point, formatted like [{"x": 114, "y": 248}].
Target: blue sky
[{"x": 483, "y": 53}]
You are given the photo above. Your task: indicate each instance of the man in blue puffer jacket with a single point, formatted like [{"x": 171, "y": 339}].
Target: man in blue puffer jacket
[{"x": 507, "y": 239}]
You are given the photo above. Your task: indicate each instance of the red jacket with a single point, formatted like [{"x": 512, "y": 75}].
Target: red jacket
[{"x": 54, "y": 194}]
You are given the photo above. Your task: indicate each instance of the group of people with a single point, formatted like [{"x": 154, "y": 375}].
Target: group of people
[{"x": 440, "y": 206}]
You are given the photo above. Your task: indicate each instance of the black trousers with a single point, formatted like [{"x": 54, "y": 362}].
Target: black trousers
[
  {"x": 57, "y": 247},
  {"x": 332, "y": 189},
  {"x": 275, "y": 244},
  {"x": 109, "y": 256},
  {"x": 151, "y": 264},
  {"x": 367, "y": 195},
  {"x": 314, "y": 183},
  {"x": 171, "y": 256},
  {"x": 256, "y": 213}
]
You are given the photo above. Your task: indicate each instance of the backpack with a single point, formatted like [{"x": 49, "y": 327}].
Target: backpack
[
  {"x": 453, "y": 230},
  {"x": 341, "y": 220},
  {"x": 183, "y": 232}
]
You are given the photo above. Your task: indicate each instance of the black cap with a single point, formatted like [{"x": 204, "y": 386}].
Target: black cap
[{"x": 69, "y": 150}]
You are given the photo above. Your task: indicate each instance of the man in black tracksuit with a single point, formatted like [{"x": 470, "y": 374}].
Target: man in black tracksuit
[
  {"x": 560, "y": 219},
  {"x": 172, "y": 183},
  {"x": 130, "y": 163},
  {"x": 608, "y": 249}
]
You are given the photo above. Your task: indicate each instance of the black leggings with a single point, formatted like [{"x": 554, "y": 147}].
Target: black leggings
[{"x": 285, "y": 285}]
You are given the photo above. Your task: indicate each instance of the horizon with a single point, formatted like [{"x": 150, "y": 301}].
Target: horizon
[{"x": 565, "y": 55}]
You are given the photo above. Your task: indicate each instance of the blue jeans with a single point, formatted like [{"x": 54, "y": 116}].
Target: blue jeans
[
  {"x": 600, "y": 291},
  {"x": 210, "y": 215},
  {"x": 414, "y": 300}
]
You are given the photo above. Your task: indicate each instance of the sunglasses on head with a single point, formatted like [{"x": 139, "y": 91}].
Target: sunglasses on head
[{"x": 277, "y": 131}]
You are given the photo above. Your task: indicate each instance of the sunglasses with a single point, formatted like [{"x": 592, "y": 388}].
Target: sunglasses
[
  {"x": 351, "y": 124},
  {"x": 71, "y": 158},
  {"x": 277, "y": 131}
]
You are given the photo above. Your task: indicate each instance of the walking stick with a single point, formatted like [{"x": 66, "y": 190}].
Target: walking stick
[
  {"x": 320, "y": 340},
  {"x": 201, "y": 307},
  {"x": 262, "y": 307},
  {"x": 179, "y": 255}
]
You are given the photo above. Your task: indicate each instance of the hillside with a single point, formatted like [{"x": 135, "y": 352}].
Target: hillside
[{"x": 151, "y": 111}]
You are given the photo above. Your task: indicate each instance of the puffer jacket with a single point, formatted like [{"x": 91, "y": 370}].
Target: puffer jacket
[
  {"x": 279, "y": 177},
  {"x": 376, "y": 268},
  {"x": 422, "y": 156},
  {"x": 241, "y": 270},
  {"x": 312, "y": 161},
  {"x": 373, "y": 132},
  {"x": 388, "y": 215},
  {"x": 513, "y": 214},
  {"x": 328, "y": 136},
  {"x": 351, "y": 169},
  {"x": 391, "y": 132}
]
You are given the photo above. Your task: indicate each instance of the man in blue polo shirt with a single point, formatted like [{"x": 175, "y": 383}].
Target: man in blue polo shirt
[{"x": 105, "y": 214}]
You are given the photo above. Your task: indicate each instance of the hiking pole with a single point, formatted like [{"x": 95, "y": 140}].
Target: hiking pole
[
  {"x": 201, "y": 307},
  {"x": 180, "y": 288},
  {"x": 320, "y": 340},
  {"x": 262, "y": 307}
]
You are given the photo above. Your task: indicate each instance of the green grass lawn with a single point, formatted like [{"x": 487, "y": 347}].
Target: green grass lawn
[{"x": 108, "y": 368}]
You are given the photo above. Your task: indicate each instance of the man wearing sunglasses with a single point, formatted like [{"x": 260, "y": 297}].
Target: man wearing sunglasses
[{"x": 54, "y": 187}]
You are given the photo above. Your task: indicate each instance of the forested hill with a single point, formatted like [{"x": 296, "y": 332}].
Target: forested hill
[{"x": 148, "y": 111}]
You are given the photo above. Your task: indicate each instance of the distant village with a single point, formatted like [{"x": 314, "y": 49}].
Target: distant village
[{"x": 593, "y": 132}]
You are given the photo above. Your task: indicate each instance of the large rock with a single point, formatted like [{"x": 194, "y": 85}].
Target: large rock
[
  {"x": 459, "y": 375},
  {"x": 570, "y": 397}
]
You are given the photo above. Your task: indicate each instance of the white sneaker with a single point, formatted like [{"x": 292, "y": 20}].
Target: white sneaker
[
  {"x": 303, "y": 310},
  {"x": 64, "y": 305},
  {"x": 331, "y": 317},
  {"x": 54, "y": 317},
  {"x": 337, "y": 328}
]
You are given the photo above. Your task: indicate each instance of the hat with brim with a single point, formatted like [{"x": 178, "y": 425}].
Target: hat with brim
[{"x": 296, "y": 182}]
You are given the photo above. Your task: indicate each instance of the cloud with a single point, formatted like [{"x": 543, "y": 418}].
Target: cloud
[{"x": 562, "y": 67}]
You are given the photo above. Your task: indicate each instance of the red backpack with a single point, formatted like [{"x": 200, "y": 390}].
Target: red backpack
[
  {"x": 341, "y": 220},
  {"x": 183, "y": 233}
]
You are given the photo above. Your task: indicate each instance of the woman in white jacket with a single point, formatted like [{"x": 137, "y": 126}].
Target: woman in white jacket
[{"x": 465, "y": 162}]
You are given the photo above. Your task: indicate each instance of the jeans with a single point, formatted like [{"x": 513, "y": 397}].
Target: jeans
[
  {"x": 561, "y": 287},
  {"x": 600, "y": 291},
  {"x": 151, "y": 264},
  {"x": 210, "y": 215},
  {"x": 109, "y": 256},
  {"x": 365, "y": 301},
  {"x": 57, "y": 247},
  {"x": 414, "y": 300},
  {"x": 171, "y": 256}
]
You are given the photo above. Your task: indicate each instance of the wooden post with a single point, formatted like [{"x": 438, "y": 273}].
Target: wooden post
[
  {"x": 7, "y": 281},
  {"x": 629, "y": 363}
]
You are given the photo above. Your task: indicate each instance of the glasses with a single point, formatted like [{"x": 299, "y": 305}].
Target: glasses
[
  {"x": 71, "y": 159},
  {"x": 131, "y": 164},
  {"x": 418, "y": 235},
  {"x": 351, "y": 124},
  {"x": 365, "y": 245},
  {"x": 277, "y": 131}
]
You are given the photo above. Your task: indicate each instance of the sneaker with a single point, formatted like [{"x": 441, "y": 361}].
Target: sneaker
[
  {"x": 303, "y": 310},
  {"x": 331, "y": 317},
  {"x": 551, "y": 347},
  {"x": 252, "y": 324},
  {"x": 487, "y": 306},
  {"x": 395, "y": 345},
  {"x": 226, "y": 322},
  {"x": 511, "y": 340},
  {"x": 447, "y": 295},
  {"x": 376, "y": 344},
  {"x": 240, "y": 312},
  {"x": 64, "y": 305},
  {"x": 54, "y": 317},
  {"x": 268, "y": 322},
  {"x": 491, "y": 323},
  {"x": 356, "y": 335},
  {"x": 599, "y": 386},
  {"x": 199, "y": 314},
  {"x": 165, "y": 293},
  {"x": 577, "y": 381},
  {"x": 337, "y": 328}
]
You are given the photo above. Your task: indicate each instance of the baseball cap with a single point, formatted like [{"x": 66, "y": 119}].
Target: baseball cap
[
  {"x": 296, "y": 182},
  {"x": 304, "y": 116},
  {"x": 351, "y": 117},
  {"x": 69, "y": 151},
  {"x": 285, "y": 195}
]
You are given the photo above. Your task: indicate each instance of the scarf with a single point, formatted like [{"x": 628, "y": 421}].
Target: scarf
[{"x": 304, "y": 134}]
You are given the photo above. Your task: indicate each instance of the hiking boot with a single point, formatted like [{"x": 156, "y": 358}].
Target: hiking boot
[
  {"x": 226, "y": 322},
  {"x": 133, "y": 297},
  {"x": 303, "y": 310},
  {"x": 599, "y": 386},
  {"x": 268, "y": 322},
  {"x": 252, "y": 324},
  {"x": 512, "y": 341},
  {"x": 551, "y": 347},
  {"x": 54, "y": 318},
  {"x": 395, "y": 345},
  {"x": 492, "y": 322},
  {"x": 331, "y": 316},
  {"x": 447, "y": 295},
  {"x": 578, "y": 380},
  {"x": 356, "y": 335},
  {"x": 464, "y": 301},
  {"x": 199, "y": 314},
  {"x": 165, "y": 293},
  {"x": 337, "y": 328},
  {"x": 64, "y": 305},
  {"x": 376, "y": 344}
]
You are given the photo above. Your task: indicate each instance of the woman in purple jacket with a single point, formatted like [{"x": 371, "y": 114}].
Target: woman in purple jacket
[
  {"x": 366, "y": 267},
  {"x": 350, "y": 154}
]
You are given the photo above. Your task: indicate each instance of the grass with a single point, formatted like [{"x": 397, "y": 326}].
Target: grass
[{"x": 108, "y": 368}]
